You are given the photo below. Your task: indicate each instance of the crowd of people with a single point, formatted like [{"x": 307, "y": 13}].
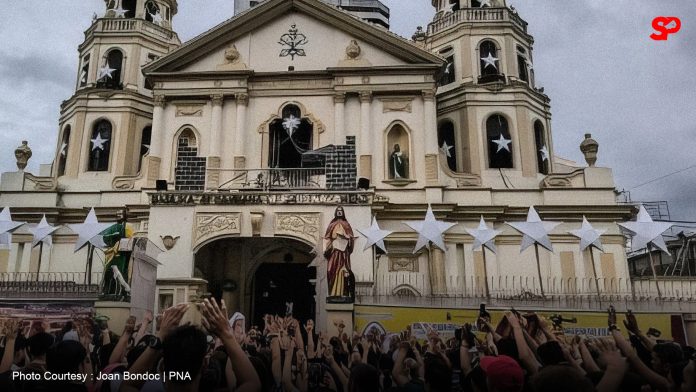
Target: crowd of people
[{"x": 522, "y": 352}]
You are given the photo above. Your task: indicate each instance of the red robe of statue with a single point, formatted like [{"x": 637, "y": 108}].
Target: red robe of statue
[{"x": 338, "y": 243}]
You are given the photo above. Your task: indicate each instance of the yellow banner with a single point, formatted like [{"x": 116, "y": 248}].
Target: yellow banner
[{"x": 395, "y": 319}]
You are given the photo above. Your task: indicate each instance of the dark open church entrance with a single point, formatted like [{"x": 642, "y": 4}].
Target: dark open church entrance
[{"x": 277, "y": 285}]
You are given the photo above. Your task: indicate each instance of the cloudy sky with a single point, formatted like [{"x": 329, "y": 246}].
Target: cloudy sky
[{"x": 604, "y": 74}]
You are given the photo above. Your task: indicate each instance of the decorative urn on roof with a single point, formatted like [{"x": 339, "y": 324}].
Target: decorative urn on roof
[
  {"x": 22, "y": 153},
  {"x": 589, "y": 148}
]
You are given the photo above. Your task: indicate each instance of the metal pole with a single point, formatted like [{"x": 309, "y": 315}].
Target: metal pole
[
  {"x": 541, "y": 283},
  {"x": 90, "y": 250},
  {"x": 485, "y": 272},
  {"x": 652, "y": 266},
  {"x": 594, "y": 270},
  {"x": 38, "y": 270}
]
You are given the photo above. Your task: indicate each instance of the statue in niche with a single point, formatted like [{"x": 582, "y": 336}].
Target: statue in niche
[
  {"x": 338, "y": 245},
  {"x": 398, "y": 164}
]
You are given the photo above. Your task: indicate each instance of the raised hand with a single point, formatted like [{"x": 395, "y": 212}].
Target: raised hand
[
  {"x": 10, "y": 327},
  {"x": 611, "y": 317},
  {"x": 130, "y": 325},
  {"x": 309, "y": 327},
  {"x": 171, "y": 319},
  {"x": 215, "y": 319},
  {"x": 631, "y": 323}
]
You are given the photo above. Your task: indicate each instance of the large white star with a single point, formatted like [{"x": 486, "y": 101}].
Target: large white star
[
  {"x": 64, "y": 149},
  {"x": 644, "y": 231},
  {"x": 449, "y": 8},
  {"x": 544, "y": 153},
  {"x": 445, "y": 149},
  {"x": 120, "y": 12},
  {"x": 105, "y": 72},
  {"x": 88, "y": 230},
  {"x": 430, "y": 230},
  {"x": 534, "y": 230},
  {"x": 42, "y": 233},
  {"x": 98, "y": 142},
  {"x": 589, "y": 236},
  {"x": 7, "y": 225},
  {"x": 502, "y": 143},
  {"x": 157, "y": 18},
  {"x": 483, "y": 236},
  {"x": 485, "y": 3},
  {"x": 374, "y": 236},
  {"x": 490, "y": 61},
  {"x": 291, "y": 124}
]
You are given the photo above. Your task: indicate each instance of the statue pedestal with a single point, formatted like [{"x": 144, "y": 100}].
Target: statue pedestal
[{"x": 336, "y": 313}]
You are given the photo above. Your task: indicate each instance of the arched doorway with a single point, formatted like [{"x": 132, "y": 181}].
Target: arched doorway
[{"x": 259, "y": 276}]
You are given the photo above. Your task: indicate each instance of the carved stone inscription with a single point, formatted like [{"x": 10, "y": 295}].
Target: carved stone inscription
[
  {"x": 302, "y": 225},
  {"x": 210, "y": 225}
]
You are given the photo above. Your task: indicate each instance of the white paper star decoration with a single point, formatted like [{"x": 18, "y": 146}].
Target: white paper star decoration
[
  {"x": 105, "y": 72},
  {"x": 88, "y": 230},
  {"x": 644, "y": 231},
  {"x": 490, "y": 61},
  {"x": 503, "y": 144},
  {"x": 157, "y": 18},
  {"x": 430, "y": 230},
  {"x": 7, "y": 225},
  {"x": 483, "y": 236},
  {"x": 445, "y": 149},
  {"x": 374, "y": 236},
  {"x": 544, "y": 153},
  {"x": 534, "y": 230},
  {"x": 485, "y": 3},
  {"x": 291, "y": 124},
  {"x": 589, "y": 236},
  {"x": 450, "y": 8},
  {"x": 64, "y": 149},
  {"x": 42, "y": 233},
  {"x": 98, "y": 142},
  {"x": 120, "y": 12}
]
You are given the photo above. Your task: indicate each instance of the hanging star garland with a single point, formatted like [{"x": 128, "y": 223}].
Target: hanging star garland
[
  {"x": 483, "y": 236},
  {"x": 490, "y": 60},
  {"x": 291, "y": 124},
  {"x": 588, "y": 235},
  {"x": 445, "y": 149},
  {"x": 120, "y": 12},
  {"x": 89, "y": 229},
  {"x": 375, "y": 236},
  {"x": 645, "y": 231},
  {"x": 98, "y": 142},
  {"x": 430, "y": 230},
  {"x": 502, "y": 143},
  {"x": 42, "y": 233},
  {"x": 544, "y": 153},
  {"x": 534, "y": 230},
  {"x": 106, "y": 71},
  {"x": 7, "y": 225}
]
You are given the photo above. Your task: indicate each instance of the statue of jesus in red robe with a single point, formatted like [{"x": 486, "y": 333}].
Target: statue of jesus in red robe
[{"x": 338, "y": 245}]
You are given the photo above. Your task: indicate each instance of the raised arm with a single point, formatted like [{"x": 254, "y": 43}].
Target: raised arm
[
  {"x": 526, "y": 356},
  {"x": 9, "y": 328},
  {"x": 120, "y": 349}
]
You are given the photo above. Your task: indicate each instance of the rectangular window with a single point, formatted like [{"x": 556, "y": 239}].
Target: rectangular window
[{"x": 84, "y": 71}]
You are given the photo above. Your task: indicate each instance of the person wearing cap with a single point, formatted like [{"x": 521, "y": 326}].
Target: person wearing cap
[{"x": 503, "y": 374}]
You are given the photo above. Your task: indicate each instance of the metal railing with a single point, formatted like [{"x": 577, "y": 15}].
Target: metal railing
[
  {"x": 573, "y": 293},
  {"x": 271, "y": 179},
  {"x": 476, "y": 15},
  {"x": 49, "y": 285}
]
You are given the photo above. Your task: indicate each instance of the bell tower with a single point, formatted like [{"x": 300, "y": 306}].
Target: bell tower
[
  {"x": 105, "y": 127},
  {"x": 494, "y": 124}
]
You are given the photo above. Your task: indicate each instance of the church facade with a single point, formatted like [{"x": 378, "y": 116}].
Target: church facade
[{"x": 231, "y": 153}]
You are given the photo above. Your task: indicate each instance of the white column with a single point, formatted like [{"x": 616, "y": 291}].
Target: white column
[
  {"x": 430, "y": 122},
  {"x": 216, "y": 125},
  {"x": 339, "y": 118},
  {"x": 158, "y": 131},
  {"x": 242, "y": 103},
  {"x": 365, "y": 123}
]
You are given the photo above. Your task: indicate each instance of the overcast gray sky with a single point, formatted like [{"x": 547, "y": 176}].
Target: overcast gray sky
[{"x": 603, "y": 73}]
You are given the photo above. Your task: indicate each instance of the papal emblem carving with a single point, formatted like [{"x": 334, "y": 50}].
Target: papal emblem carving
[
  {"x": 212, "y": 225},
  {"x": 292, "y": 42},
  {"x": 305, "y": 226}
]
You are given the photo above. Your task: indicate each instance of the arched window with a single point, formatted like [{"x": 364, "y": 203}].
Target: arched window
[
  {"x": 190, "y": 168},
  {"x": 490, "y": 63},
  {"x": 145, "y": 140},
  {"x": 448, "y": 73},
  {"x": 542, "y": 148},
  {"x": 522, "y": 64},
  {"x": 290, "y": 137},
  {"x": 447, "y": 143},
  {"x": 100, "y": 146},
  {"x": 84, "y": 71},
  {"x": 399, "y": 153},
  {"x": 153, "y": 13},
  {"x": 63, "y": 151},
  {"x": 499, "y": 143},
  {"x": 110, "y": 72}
]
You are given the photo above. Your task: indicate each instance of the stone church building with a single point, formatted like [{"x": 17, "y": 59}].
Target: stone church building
[{"x": 230, "y": 153}]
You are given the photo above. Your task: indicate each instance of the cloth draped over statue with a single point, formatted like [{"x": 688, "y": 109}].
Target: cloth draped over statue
[{"x": 115, "y": 257}]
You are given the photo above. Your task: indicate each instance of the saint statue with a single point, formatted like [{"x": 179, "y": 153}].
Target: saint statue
[
  {"x": 397, "y": 164},
  {"x": 117, "y": 263},
  {"x": 338, "y": 245}
]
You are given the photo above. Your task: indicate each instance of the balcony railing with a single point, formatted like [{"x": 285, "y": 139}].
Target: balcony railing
[
  {"x": 572, "y": 293},
  {"x": 476, "y": 15},
  {"x": 49, "y": 285},
  {"x": 271, "y": 179},
  {"x": 117, "y": 25}
]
